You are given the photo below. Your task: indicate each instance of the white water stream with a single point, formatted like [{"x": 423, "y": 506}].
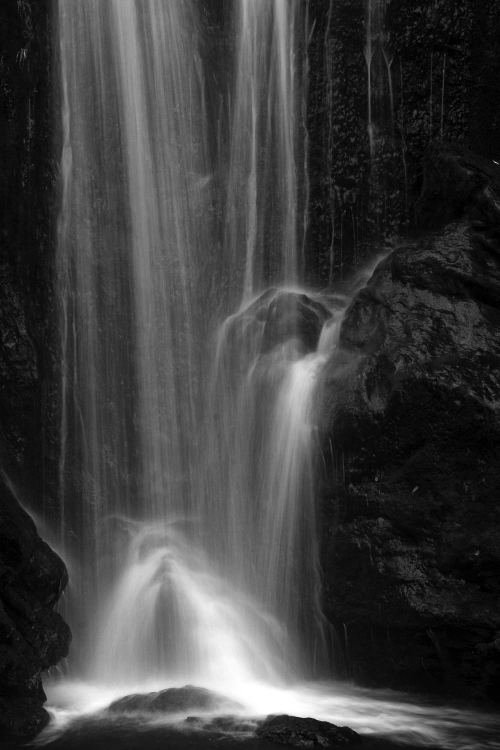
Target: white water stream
[
  {"x": 187, "y": 451},
  {"x": 188, "y": 445}
]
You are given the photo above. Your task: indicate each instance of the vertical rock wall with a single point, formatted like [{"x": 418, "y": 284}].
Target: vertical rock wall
[
  {"x": 412, "y": 446},
  {"x": 33, "y": 636},
  {"x": 434, "y": 76},
  {"x": 411, "y": 425},
  {"x": 28, "y": 194}
]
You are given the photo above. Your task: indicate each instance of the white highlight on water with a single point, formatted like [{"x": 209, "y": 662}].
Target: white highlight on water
[
  {"x": 187, "y": 440},
  {"x": 394, "y": 715},
  {"x": 261, "y": 208},
  {"x": 186, "y": 478}
]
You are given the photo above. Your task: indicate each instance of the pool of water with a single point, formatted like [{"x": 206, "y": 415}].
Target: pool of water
[{"x": 384, "y": 719}]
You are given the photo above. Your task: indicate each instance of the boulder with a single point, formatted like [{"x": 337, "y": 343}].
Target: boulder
[
  {"x": 298, "y": 732},
  {"x": 33, "y": 637},
  {"x": 276, "y": 317},
  {"x": 294, "y": 315},
  {"x": 173, "y": 700},
  {"x": 412, "y": 450}
]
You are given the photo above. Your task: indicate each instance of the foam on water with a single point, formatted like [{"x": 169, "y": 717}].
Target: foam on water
[{"x": 385, "y": 713}]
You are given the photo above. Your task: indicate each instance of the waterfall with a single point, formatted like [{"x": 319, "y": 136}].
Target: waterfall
[
  {"x": 187, "y": 419},
  {"x": 190, "y": 361},
  {"x": 262, "y": 192},
  {"x": 130, "y": 250},
  {"x": 260, "y": 485},
  {"x": 379, "y": 61}
]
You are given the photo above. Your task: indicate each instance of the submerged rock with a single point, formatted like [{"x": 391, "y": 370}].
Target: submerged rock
[
  {"x": 173, "y": 700},
  {"x": 294, "y": 315},
  {"x": 234, "y": 726},
  {"x": 298, "y": 732},
  {"x": 32, "y": 636},
  {"x": 412, "y": 448},
  {"x": 279, "y": 315}
]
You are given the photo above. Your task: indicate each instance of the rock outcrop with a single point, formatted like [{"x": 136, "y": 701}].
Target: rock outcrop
[
  {"x": 33, "y": 637},
  {"x": 412, "y": 449},
  {"x": 294, "y": 315},
  {"x": 173, "y": 700},
  {"x": 276, "y": 318},
  {"x": 296, "y": 732}
]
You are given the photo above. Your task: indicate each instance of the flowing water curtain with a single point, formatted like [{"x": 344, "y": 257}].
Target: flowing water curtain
[
  {"x": 129, "y": 248},
  {"x": 262, "y": 191},
  {"x": 95, "y": 293},
  {"x": 259, "y": 491},
  {"x": 159, "y": 529}
]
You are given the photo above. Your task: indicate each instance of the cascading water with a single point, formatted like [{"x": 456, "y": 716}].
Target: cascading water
[
  {"x": 130, "y": 248},
  {"x": 193, "y": 534},
  {"x": 378, "y": 67},
  {"x": 261, "y": 466},
  {"x": 190, "y": 359},
  {"x": 258, "y": 483},
  {"x": 260, "y": 240}
]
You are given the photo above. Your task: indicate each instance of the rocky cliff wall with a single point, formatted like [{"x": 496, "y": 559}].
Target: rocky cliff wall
[
  {"x": 412, "y": 449},
  {"x": 28, "y": 197},
  {"x": 386, "y": 79},
  {"x": 32, "y": 635}
]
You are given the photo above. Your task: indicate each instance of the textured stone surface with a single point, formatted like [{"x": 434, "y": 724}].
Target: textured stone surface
[
  {"x": 33, "y": 637},
  {"x": 296, "y": 732},
  {"x": 412, "y": 447},
  {"x": 435, "y": 76},
  {"x": 193, "y": 734},
  {"x": 275, "y": 318},
  {"x": 28, "y": 195}
]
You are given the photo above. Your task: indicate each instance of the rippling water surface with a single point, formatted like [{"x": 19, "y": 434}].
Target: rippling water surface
[{"x": 78, "y": 710}]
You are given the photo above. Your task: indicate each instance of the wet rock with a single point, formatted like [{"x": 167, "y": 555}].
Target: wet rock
[
  {"x": 277, "y": 316},
  {"x": 294, "y": 315},
  {"x": 173, "y": 700},
  {"x": 434, "y": 74},
  {"x": 458, "y": 183},
  {"x": 412, "y": 449},
  {"x": 297, "y": 732},
  {"x": 28, "y": 196},
  {"x": 224, "y": 725},
  {"x": 275, "y": 319},
  {"x": 32, "y": 636}
]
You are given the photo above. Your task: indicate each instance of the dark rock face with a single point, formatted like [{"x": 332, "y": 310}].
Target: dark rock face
[
  {"x": 294, "y": 315},
  {"x": 296, "y": 732},
  {"x": 32, "y": 636},
  {"x": 28, "y": 195},
  {"x": 276, "y": 317},
  {"x": 173, "y": 700},
  {"x": 19, "y": 373},
  {"x": 412, "y": 445},
  {"x": 434, "y": 77}
]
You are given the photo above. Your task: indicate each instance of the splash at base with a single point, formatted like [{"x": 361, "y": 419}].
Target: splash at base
[{"x": 386, "y": 714}]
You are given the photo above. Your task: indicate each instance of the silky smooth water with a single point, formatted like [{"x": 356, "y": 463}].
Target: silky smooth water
[
  {"x": 262, "y": 182},
  {"x": 130, "y": 244},
  {"x": 397, "y": 717},
  {"x": 188, "y": 439},
  {"x": 187, "y": 450}
]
